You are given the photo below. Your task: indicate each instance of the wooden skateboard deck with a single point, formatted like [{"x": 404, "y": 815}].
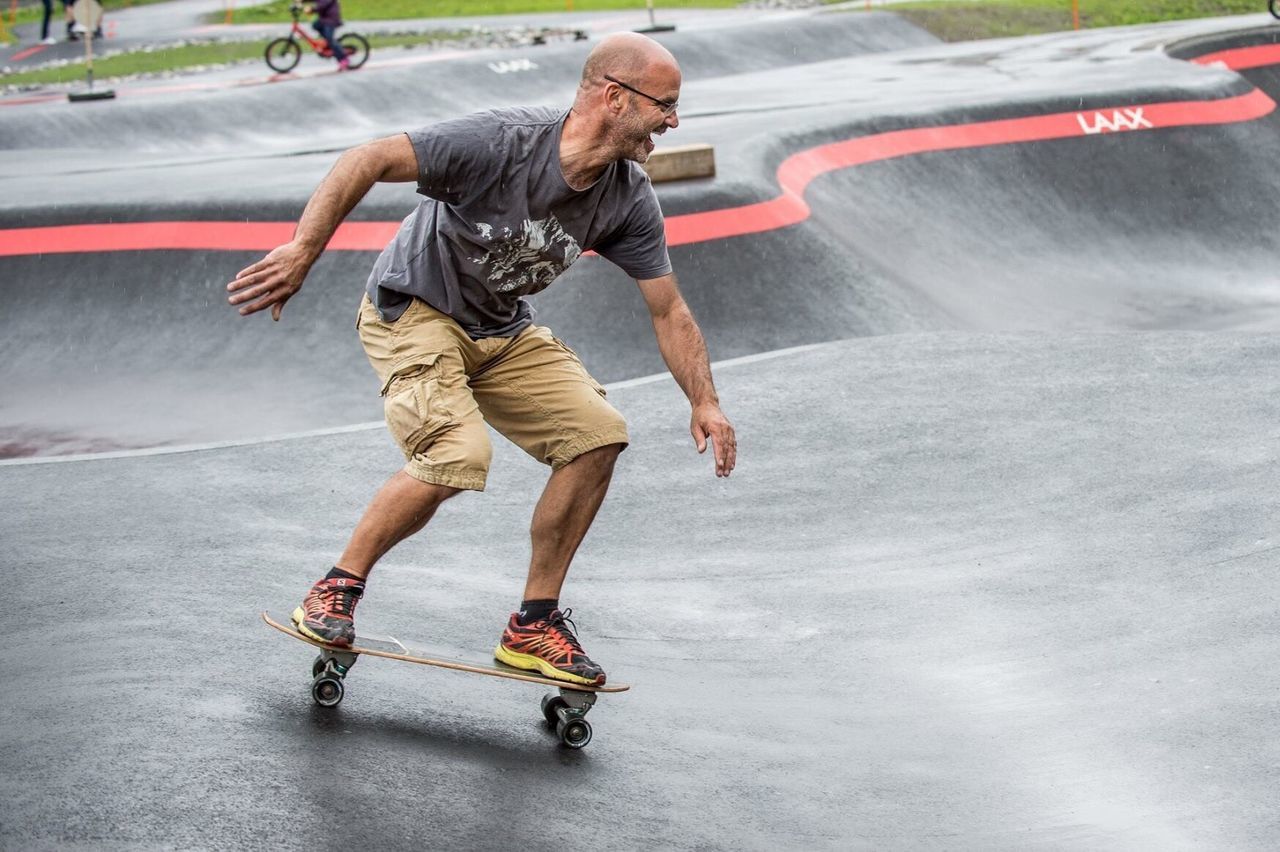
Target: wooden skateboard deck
[{"x": 565, "y": 711}]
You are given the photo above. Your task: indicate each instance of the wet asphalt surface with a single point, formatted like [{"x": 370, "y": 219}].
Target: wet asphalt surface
[{"x": 994, "y": 572}]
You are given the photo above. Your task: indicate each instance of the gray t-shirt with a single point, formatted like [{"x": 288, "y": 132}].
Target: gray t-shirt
[{"x": 500, "y": 222}]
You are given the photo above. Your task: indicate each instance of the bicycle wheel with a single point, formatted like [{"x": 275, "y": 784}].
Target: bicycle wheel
[
  {"x": 1272, "y": 4},
  {"x": 283, "y": 54},
  {"x": 357, "y": 48}
]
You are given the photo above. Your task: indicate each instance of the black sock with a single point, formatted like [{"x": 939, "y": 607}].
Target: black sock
[
  {"x": 339, "y": 574},
  {"x": 531, "y": 611}
]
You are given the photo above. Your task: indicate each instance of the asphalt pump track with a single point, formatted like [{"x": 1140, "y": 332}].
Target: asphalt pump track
[{"x": 992, "y": 573}]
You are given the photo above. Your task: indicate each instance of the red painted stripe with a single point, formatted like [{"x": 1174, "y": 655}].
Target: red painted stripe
[
  {"x": 1243, "y": 58},
  {"x": 30, "y": 51},
  {"x": 789, "y": 208},
  {"x": 139, "y": 236},
  {"x": 32, "y": 99},
  {"x": 796, "y": 172},
  {"x": 191, "y": 236}
]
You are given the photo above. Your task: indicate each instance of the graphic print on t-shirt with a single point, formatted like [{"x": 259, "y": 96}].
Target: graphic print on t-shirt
[{"x": 527, "y": 260}]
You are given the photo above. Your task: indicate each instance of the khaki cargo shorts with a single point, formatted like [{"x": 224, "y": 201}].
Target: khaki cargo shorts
[{"x": 440, "y": 388}]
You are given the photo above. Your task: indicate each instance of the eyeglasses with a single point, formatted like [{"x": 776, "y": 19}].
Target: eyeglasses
[{"x": 667, "y": 107}]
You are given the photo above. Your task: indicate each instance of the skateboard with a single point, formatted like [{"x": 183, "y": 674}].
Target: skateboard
[{"x": 565, "y": 710}]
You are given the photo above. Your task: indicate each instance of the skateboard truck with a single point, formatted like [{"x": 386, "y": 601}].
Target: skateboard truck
[
  {"x": 566, "y": 712},
  {"x": 327, "y": 673}
]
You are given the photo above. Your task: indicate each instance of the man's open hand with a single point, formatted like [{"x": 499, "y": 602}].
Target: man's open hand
[
  {"x": 709, "y": 422},
  {"x": 270, "y": 282}
]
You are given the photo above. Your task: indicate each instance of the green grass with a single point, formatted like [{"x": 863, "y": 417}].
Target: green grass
[
  {"x": 967, "y": 21},
  {"x": 392, "y": 10},
  {"x": 188, "y": 56}
]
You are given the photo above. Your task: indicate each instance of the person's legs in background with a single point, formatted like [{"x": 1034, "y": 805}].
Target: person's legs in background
[
  {"x": 68, "y": 12},
  {"x": 44, "y": 23},
  {"x": 327, "y": 32}
]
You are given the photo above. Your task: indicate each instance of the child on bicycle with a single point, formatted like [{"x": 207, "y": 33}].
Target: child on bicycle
[{"x": 328, "y": 18}]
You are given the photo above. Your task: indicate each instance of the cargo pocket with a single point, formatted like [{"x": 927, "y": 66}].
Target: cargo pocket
[
  {"x": 573, "y": 356},
  {"x": 415, "y": 406}
]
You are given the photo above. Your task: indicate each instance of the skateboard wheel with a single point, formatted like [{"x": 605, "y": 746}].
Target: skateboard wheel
[
  {"x": 327, "y": 691},
  {"x": 574, "y": 733},
  {"x": 550, "y": 704}
]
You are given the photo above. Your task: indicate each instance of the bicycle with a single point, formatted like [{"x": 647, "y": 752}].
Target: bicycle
[{"x": 283, "y": 54}]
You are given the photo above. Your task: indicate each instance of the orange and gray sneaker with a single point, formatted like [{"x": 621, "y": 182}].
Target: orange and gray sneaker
[
  {"x": 549, "y": 647},
  {"x": 328, "y": 612}
]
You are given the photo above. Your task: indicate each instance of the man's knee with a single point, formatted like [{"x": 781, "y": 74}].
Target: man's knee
[
  {"x": 458, "y": 458},
  {"x": 430, "y": 494},
  {"x": 606, "y": 438},
  {"x": 601, "y": 458},
  {"x": 608, "y": 454}
]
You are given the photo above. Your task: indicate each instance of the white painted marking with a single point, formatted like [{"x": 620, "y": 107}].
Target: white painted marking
[
  {"x": 1120, "y": 119},
  {"x": 365, "y": 427},
  {"x": 512, "y": 66},
  {"x": 1136, "y": 121}
]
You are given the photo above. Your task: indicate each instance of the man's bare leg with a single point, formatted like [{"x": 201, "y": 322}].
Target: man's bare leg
[
  {"x": 533, "y": 640},
  {"x": 564, "y": 513},
  {"x": 402, "y": 507}
]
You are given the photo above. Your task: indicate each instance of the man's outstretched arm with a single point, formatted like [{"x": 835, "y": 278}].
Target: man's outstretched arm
[
  {"x": 683, "y": 348},
  {"x": 271, "y": 282}
]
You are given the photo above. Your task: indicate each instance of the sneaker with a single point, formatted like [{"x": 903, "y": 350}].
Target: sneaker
[
  {"x": 344, "y": 64},
  {"x": 328, "y": 612},
  {"x": 49, "y": 40},
  {"x": 550, "y": 648}
]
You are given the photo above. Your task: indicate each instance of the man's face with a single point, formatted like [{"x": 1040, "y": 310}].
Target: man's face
[{"x": 647, "y": 113}]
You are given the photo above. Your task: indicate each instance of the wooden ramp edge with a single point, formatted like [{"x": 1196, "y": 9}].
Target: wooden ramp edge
[{"x": 681, "y": 162}]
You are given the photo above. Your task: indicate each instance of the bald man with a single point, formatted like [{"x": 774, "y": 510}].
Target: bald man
[{"x": 512, "y": 197}]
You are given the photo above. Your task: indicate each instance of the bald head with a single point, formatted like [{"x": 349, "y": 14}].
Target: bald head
[
  {"x": 630, "y": 92},
  {"x": 627, "y": 56}
]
